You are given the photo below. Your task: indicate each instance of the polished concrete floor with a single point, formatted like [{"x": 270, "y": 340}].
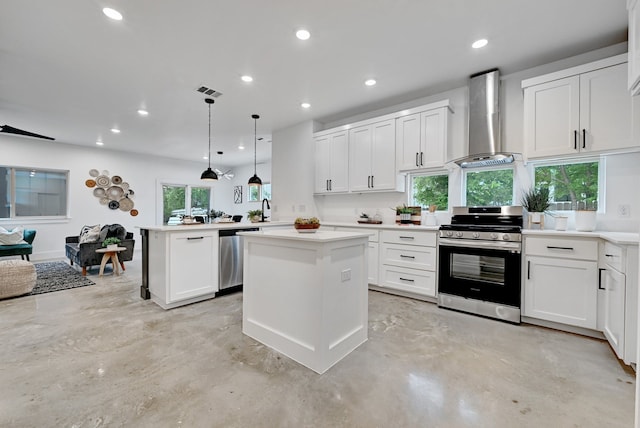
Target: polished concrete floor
[{"x": 99, "y": 356}]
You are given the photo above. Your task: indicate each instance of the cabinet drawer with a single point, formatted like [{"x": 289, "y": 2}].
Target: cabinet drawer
[
  {"x": 373, "y": 234},
  {"x": 409, "y": 256},
  {"x": 411, "y": 280},
  {"x": 572, "y": 248},
  {"x": 409, "y": 237},
  {"x": 614, "y": 256}
]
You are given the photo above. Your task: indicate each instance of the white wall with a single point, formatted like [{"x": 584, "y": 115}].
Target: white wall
[
  {"x": 223, "y": 199},
  {"x": 141, "y": 172}
]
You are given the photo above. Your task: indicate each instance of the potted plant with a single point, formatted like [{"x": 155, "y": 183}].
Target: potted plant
[
  {"x": 111, "y": 243},
  {"x": 254, "y": 215},
  {"x": 536, "y": 202},
  {"x": 306, "y": 224},
  {"x": 405, "y": 213}
]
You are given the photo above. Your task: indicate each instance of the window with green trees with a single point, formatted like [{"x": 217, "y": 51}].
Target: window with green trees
[
  {"x": 430, "y": 190},
  {"x": 176, "y": 199},
  {"x": 493, "y": 187},
  {"x": 571, "y": 185}
]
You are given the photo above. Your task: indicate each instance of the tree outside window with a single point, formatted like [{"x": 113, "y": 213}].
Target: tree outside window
[
  {"x": 490, "y": 187},
  {"x": 429, "y": 190},
  {"x": 571, "y": 186}
]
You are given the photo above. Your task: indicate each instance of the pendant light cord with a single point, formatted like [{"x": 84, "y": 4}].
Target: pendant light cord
[
  {"x": 209, "y": 136},
  {"x": 255, "y": 145}
]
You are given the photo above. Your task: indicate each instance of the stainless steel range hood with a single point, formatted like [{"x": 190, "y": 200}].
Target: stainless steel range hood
[{"x": 484, "y": 122}]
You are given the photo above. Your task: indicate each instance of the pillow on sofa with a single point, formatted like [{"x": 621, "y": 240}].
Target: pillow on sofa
[
  {"x": 90, "y": 234},
  {"x": 113, "y": 231},
  {"x": 13, "y": 237}
]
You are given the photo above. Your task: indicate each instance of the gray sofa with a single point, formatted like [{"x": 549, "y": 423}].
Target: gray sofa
[{"x": 84, "y": 255}]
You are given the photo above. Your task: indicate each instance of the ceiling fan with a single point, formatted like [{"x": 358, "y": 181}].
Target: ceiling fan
[
  {"x": 227, "y": 174},
  {"x": 11, "y": 130}
]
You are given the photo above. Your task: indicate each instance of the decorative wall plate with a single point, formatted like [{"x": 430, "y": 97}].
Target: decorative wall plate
[
  {"x": 114, "y": 205},
  {"x": 90, "y": 183},
  {"x": 94, "y": 172},
  {"x": 105, "y": 172},
  {"x": 126, "y": 204},
  {"x": 125, "y": 186},
  {"x": 115, "y": 193},
  {"x": 116, "y": 179},
  {"x": 104, "y": 200},
  {"x": 130, "y": 193},
  {"x": 99, "y": 192},
  {"x": 133, "y": 212},
  {"x": 103, "y": 181}
]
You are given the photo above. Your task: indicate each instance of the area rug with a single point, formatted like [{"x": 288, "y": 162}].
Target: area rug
[{"x": 56, "y": 276}]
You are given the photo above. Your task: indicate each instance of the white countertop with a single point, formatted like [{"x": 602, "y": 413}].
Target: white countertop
[
  {"x": 382, "y": 226},
  {"x": 622, "y": 238},
  {"x": 214, "y": 226},
  {"x": 318, "y": 236}
]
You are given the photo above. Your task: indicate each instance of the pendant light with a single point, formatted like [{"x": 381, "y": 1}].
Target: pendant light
[
  {"x": 255, "y": 180},
  {"x": 209, "y": 174}
]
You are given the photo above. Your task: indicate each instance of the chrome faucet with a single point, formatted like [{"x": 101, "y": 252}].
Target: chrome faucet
[{"x": 268, "y": 207}]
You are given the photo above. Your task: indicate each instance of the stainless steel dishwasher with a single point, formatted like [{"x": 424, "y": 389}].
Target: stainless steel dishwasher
[{"x": 230, "y": 258}]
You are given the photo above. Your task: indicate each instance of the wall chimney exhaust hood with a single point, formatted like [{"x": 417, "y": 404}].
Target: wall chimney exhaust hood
[{"x": 484, "y": 122}]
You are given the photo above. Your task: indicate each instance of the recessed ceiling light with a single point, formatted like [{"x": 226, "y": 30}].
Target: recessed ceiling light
[
  {"x": 370, "y": 82},
  {"x": 479, "y": 43},
  {"x": 240, "y": 147},
  {"x": 99, "y": 143},
  {"x": 115, "y": 130},
  {"x": 247, "y": 79},
  {"x": 112, "y": 13},
  {"x": 303, "y": 34},
  {"x": 142, "y": 112},
  {"x": 305, "y": 105},
  {"x": 205, "y": 157}
]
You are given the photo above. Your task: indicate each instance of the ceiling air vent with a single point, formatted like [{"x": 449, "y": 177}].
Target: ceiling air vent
[{"x": 208, "y": 91}]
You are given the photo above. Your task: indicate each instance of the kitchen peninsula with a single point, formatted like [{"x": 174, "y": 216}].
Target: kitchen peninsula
[
  {"x": 180, "y": 264},
  {"x": 305, "y": 294}
]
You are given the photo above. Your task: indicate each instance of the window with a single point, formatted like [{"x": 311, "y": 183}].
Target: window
[
  {"x": 176, "y": 199},
  {"x": 571, "y": 185},
  {"x": 253, "y": 195},
  {"x": 266, "y": 191},
  {"x": 32, "y": 192},
  {"x": 430, "y": 190},
  {"x": 492, "y": 187}
]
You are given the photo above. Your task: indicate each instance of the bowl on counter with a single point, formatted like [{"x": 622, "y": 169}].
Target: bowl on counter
[{"x": 306, "y": 225}]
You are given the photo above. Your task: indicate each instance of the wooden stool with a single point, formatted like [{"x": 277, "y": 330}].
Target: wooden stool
[{"x": 111, "y": 253}]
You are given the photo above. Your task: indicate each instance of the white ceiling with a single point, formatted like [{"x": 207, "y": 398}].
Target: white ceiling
[{"x": 69, "y": 72}]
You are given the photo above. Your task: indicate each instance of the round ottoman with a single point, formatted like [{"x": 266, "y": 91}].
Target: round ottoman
[{"x": 16, "y": 277}]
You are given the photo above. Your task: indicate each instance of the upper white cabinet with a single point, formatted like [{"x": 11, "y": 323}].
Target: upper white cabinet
[
  {"x": 372, "y": 158},
  {"x": 634, "y": 46},
  {"x": 585, "y": 109},
  {"x": 422, "y": 138},
  {"x": 332, "y": 162}
]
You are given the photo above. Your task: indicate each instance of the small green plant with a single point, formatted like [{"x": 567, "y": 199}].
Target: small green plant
[
  {"x": 312, "y": 220},
  {"x": 536, "y": 200},
  {"x": 403, "y": 209},
  {"x": 254, "y": 213},
  {"x": 111, "y": 241}
]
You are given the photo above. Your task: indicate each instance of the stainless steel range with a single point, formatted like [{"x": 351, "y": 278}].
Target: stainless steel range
[{"x": 480, "y": 262}]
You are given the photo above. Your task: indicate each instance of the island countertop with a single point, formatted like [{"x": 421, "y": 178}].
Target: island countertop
[
  {"x": 318, "y": 236},
  {"x": 213, "y": 226}
]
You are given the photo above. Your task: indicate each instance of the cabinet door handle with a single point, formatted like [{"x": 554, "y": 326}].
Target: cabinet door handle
[
  {"x": 326, "y": 185},
  {"x": 528, "y": 269},
  {"x": 194, "y": 238},
  {"x": 406, "y": 237},
  {"x": 402, "y": 256},
  {"x": 559, "y": 248},
  {"x": 417, "y": 154},
  {"x": 330, "y": 184},
  {"x": 372, "y": 181},
  {"x": 600, "y": 287},
  {"x": 407, "y": 279},
  {"x": 421, "y": 158},
  {"x": 609, "y": 255},
  {"x": 575, "y": 139},
  {"x": 584, "y": 138}
]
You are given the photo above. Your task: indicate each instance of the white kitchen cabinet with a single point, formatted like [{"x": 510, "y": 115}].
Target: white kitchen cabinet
[
  {"x": 619, "y": 281},
  {"x": 373, "y": 251},
  {"x": 183, "y": 267},
  {"x": 634, "y": 46},
  {"x": 372, "y": 158},
  {"x": 408, "y": 261},
  {"x": 582, "y": 113},
  {"x": 332, "y": 162},
  {"x": 561, "y": 280},
  {"x": 422, "y": 139}
]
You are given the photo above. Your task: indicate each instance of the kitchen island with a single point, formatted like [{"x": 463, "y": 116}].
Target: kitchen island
[{"x": 305, "y": 294}]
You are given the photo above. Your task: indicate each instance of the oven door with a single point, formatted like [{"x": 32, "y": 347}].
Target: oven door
[{"x": 479, "y": 271}]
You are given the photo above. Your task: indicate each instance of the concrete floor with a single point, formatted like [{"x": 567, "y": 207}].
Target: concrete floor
[{"x": 100, "y": 356}]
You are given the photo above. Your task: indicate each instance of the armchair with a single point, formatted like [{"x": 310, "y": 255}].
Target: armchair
[
  {"x": 84, "y": 254},
  {"x": 23, "y": 250}
]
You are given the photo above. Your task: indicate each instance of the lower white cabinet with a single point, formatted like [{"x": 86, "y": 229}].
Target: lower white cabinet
[
  {"x": 561, "y": 280},
  {"x": 183, "y": 267},
  {"x": 408, "y": 261},
  {"x": 372, "y": 277}
]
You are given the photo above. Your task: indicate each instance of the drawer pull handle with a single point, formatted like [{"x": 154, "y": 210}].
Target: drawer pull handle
[
  {"x": 406, "y": 279},
  {"x": 406, "y": 257},
  {"x": 600, "y": 287},
  {"x": 194, "y": 238},
  {"x": 559, "y": 248},
  {"x": 609, "y": 255},
  {"x": 406, "y": 237}
]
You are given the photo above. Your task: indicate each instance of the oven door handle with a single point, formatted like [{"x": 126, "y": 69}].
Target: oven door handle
[{"x": 514, "y": 247}]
